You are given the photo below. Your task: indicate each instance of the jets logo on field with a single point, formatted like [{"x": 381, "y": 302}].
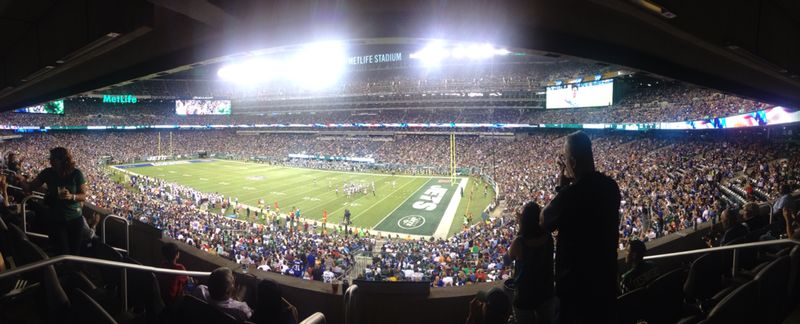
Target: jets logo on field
[{"x": 411, "y": 222}]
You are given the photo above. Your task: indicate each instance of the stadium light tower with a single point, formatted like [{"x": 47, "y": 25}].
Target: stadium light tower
[
  {"x": 318, "y": 65},
  {"x": 432, "y": 54},
  {"x": 314, "y": 66},
  {"x": 250, "y": 72},
  {"x": 437, "y": 51}
]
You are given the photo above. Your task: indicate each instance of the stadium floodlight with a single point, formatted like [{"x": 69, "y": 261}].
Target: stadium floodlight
[
  {"x": 479, "y": 52},
  {"x": 314, "y": 65},
  {"x": 459, "y": 52},
  {"x": 432, "y": 54},
  {"x": 249, "y": 72},
  {"x": 436, "y": 52},
  {"x": 317, "y": 65}
]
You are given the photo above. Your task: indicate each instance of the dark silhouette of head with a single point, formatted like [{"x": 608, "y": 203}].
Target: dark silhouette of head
[
  {"x": 578, "y": 156},
  {"x": 269, "y": 304},
  {"x": 528, "y": 219},
  {"x": 636, "y": 252},
  {"x": 221, "y": 284},
  {"x": 729, "y": 218},
  {"x": 170, "y": 252}
]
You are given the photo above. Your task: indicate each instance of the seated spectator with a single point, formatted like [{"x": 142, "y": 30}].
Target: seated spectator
[
  {"x": 783, "y": 201},
  {"x": 791, "y": 220},
  {"x": 171, "y": 285},
  {"x": 733, "y": 229},
  {"x": 532, "y": 252},
  {"x": 271, "y": 307},
  {"x": 489, "y": 307},
  {"x": 641, "y": 272},
  {"x": 219, "y": 293},
  {"x": 751, "y": 218}
]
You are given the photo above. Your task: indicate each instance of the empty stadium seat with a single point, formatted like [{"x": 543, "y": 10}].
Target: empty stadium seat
[
  {"x": 193, "y": 310},
  {"x": 794, "y": 274},
  {"x": 773, "y": 281},
  {"x": 144, "y": 293},
  {"x": 41, "y": 286},
  {"x": 737, "y": 307},
  {"x": 747, "y": 257},
  {"x": 86, "y": 310},
  {"x": 666, "y": 292},
  {"x": 707, "y": 278},
  {"x": 633, "y": 306},
  {"x": 106, "y": 277}
]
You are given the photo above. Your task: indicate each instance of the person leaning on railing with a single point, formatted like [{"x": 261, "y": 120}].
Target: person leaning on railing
[{"x": 66, "y": 190}]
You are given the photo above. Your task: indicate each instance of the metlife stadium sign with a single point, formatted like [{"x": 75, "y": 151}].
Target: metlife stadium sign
[{"x": 375, "y": 58}]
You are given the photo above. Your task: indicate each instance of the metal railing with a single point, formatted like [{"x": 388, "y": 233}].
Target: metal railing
[
  {"x": 350, "y": 304},
  {"x": 126, "y": 250},
  {"x": 316, "y": 318},
  {"x": 734, "y": 247},
  {"x": 38, "y": 195},
  {"x": 122, "y": 265},
  {"x": 101, "y": 262},
  {"x": 25, "y": 213},
  {"x": 127, "y": 231}
]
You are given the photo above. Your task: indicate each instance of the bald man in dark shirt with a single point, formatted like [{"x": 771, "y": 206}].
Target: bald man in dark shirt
[{"x": 585, "y": 212}]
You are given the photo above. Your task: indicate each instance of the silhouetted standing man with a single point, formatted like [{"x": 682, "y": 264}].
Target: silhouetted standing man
[{"x": 586, "y": 214}]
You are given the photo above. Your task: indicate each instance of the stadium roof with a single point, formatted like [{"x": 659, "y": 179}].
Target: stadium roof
[{"x": 52, "y": 49}]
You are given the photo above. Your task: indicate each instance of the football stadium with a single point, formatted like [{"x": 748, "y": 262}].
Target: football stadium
[{"x": 365, "y": 162}]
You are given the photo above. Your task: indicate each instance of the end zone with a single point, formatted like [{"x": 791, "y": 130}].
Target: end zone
[{"x": 425, "y": 211}]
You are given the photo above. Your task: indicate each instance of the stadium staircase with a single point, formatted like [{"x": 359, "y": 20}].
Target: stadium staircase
[{"x": 363, "y": 260}]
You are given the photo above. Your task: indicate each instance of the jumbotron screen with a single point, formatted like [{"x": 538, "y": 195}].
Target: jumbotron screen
[
  {"x": 203, "y": 107},
  {"x": 577, "y": 95},
  {"x": 53, "y": 107}
]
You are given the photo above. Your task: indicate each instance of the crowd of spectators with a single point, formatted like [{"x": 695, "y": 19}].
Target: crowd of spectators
[
  {"x": 667, "y": 184},
  {"x": 666, "y": 103}
]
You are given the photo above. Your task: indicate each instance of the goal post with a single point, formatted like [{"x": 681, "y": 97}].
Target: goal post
[{"x": 453, "y": 158}]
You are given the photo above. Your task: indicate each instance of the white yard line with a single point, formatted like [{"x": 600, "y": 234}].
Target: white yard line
[
  {"x": 449, "y": 214},
  {"x": 386, "y": 197},
  {"x": 345, "y": 172},
  {"x": 319, "y": 222}
]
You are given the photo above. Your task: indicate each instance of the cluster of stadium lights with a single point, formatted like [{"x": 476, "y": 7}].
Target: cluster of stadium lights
[
  {"x": 315, "y": 65},
  {"x": 434, "y": 53}
]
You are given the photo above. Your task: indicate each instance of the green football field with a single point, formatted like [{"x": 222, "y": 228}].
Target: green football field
[{"x": 417, "y": 205}]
